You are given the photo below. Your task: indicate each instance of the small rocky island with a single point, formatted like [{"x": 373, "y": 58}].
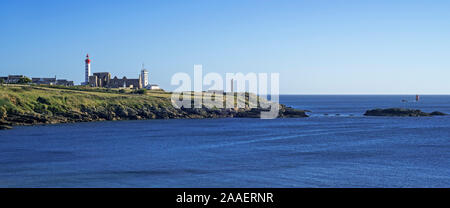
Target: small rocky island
[{"x": 401, "y": 112}]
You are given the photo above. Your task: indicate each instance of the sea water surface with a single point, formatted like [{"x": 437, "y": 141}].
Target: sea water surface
[{"x": 336, "y": 147}]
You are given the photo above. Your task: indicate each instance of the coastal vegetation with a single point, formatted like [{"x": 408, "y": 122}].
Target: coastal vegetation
[{"x": 32, "y": 104}]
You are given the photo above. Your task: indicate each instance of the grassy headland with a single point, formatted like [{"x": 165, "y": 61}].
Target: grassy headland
[{"x": 29, "y": 105}]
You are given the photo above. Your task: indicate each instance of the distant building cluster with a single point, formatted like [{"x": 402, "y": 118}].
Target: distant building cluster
[
  {"x": 16, "y": 79},
  {"x": 11, "y": 79},
  {"x": 51, "y": 81},
  {"x": 98, "y": 79},
  {"x": 103, "y": 79}
]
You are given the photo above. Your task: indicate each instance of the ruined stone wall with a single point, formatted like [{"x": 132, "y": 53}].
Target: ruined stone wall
[{"x": 124, "y": 82}]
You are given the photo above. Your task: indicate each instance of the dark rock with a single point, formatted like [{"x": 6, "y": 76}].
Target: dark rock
[
  {"x": 253, "y": 113},
  {"x": 288, "y": 112},
  {"x": 437, "y": 113},
  {"x": 5, "y": 127},
  {"x": 121, "y": 112},
  {"x": 400, "y": 112},
  {"x": 132, "y": 114}
]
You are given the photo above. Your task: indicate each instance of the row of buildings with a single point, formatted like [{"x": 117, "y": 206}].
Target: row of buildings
[
  {"x": 103, "y": 79},
  {"x": 98, "y": 79},
  {"x": 11, "y": 79},
  {"x": 52, "y": 81},
  {"x": 14, "y": 79}
]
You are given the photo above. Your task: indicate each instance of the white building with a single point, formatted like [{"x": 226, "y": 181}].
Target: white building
[
  {"x": 153, "y": 87},
  {"x": 144, "y": 77}
]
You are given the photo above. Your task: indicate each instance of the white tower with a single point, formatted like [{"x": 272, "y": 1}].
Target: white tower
[
  {"x": 87, "y": 70},
  {"x": 144, "y": 77}
]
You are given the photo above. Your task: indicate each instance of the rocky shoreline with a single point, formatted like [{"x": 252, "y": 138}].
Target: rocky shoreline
[{"x": 119, "y": 112}]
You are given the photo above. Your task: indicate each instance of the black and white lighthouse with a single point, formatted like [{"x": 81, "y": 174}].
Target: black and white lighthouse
[{"x": 87, "y": 70}]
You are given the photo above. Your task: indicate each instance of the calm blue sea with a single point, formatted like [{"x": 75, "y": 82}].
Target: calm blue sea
[{"x": 335, "y": 147}]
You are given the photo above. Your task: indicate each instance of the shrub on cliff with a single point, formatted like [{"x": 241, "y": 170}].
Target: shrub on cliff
[
  {"x": 24, "y": 80},
  {"x": 141, "y": 91},
  {"x": 43, "y": 100}
]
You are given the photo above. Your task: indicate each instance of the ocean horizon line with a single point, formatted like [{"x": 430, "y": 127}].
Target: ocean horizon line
[{"x": 318, "y": 94}]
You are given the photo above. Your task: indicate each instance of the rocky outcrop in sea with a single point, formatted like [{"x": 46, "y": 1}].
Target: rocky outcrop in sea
[{"x": 402, "y": 112}]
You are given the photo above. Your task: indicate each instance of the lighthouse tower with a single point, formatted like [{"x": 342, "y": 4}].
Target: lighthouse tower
[{"x": 87, "y": 70}]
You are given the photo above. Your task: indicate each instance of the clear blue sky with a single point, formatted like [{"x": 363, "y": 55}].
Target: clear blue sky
[{"x": 318, "y": 47}]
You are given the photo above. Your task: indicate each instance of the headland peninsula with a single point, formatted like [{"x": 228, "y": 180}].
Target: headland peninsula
[{"x": 40, "y": 104}]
